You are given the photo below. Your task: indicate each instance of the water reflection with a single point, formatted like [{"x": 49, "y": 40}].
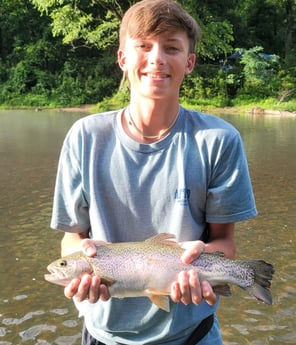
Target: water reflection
[
  {"x": 271, "y": 148},
  {"x": 35, "y": 312},
  {"x": 29, "y": 311}
]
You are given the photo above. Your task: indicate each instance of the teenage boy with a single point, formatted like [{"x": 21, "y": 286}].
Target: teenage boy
[{"x": 149, "y": 168}]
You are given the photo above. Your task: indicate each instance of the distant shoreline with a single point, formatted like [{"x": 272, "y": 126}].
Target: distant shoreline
[
  {"x": 252, "y": 110},
  {"x": 87, "y": 108}
]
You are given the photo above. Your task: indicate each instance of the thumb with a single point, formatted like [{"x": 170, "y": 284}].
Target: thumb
[
  {"x": 88, "y": 247},
  {"x": 192, "y": 251}
]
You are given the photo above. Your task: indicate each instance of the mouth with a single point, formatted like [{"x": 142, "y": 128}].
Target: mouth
[
  {"x": 56, "y": 272},
  {"x": 156, "y": 76},
  {"x": 57, "y": 277}
]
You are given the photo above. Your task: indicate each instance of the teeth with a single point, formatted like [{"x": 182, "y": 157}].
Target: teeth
[{"x": 152, "y": 75}]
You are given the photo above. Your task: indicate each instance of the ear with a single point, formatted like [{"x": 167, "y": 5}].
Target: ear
[
  {"x": 121, "y": 59},
  {"x": 190, "y": 63}
]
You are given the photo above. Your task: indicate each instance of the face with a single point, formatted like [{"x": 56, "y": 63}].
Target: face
[{"x": 156, "y": 66}]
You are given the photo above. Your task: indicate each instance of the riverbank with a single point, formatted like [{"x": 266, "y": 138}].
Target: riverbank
[
  {"x": 252, "y": 110},
  {"x": 259, "y": 111},
  {"x": 85, "y": 108},
  {"x": 91, "y": 108}
]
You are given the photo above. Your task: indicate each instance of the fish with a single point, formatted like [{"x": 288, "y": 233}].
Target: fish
[{"x": 148, "y": 268}]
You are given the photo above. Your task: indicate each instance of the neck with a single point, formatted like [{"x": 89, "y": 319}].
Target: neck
[
  {"x": 158, "y": 136},
  {"x": 148, "y": 124}
]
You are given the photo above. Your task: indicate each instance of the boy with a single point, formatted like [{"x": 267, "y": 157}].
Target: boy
[{"x": 152, "y": 167}]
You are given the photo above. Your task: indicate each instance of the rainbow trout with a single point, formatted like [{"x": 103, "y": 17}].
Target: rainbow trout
[{"x": 134, "y": 269}]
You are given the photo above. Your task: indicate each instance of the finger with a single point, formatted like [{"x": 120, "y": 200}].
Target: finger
[
  {"x": 183, "y": 280},
  {"x": 72, "y": 288},
  {"x": 208, "y": 294},
  {"x": 104, "y": 293},
  {"x": 195, "y": 288},
  {"x": 83, "y": 289},
  {"x": 175, "y": 292},
  {"x": 94, "y": 290}
]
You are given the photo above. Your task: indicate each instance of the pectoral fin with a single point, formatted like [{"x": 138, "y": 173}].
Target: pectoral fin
[{"x": 107, "y": 281}]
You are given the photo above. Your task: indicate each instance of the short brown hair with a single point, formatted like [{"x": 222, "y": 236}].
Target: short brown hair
[{"x": 153, "y": 17}]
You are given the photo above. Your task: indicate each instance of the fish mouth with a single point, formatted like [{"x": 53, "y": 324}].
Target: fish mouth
[
  {"x": 57, "y": 277},
  {"x": 56, "y": 273}
]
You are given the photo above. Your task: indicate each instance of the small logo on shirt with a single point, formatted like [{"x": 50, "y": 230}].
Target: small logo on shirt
[{"x": 182, "y": 196}]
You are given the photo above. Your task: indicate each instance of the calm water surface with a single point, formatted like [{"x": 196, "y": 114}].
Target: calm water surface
[{"x": 33, "y": 311}]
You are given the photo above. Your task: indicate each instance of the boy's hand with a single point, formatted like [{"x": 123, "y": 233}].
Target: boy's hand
[
  {"x": 188, "y": 289},
  {"x": 88, "y": 287}
]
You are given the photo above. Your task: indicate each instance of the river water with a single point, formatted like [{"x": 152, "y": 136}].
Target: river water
[{"x": 33, "y": 311}]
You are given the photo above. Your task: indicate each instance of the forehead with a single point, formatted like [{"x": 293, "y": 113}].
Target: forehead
[
  {"x": 157, "y": 16},
  {"x": 176, "y": 36}
]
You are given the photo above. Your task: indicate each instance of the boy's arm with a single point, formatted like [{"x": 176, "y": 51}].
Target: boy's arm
[{"x": 71, "y": 242}]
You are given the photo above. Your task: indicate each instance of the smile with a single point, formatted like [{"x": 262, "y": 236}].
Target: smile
[{"x": 156, "y": 75}]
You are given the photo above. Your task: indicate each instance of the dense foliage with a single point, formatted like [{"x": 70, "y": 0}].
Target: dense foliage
[{"x": 62, "y": 53}]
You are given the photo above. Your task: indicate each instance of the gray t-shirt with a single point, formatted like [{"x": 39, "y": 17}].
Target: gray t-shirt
[{"x": 122, "y": 190}]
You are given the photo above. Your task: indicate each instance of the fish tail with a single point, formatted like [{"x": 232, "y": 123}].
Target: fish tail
[{"x": 263, "y": 273}]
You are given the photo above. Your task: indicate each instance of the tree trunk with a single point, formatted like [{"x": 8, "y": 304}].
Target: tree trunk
[{"x": 289, "y": 31}]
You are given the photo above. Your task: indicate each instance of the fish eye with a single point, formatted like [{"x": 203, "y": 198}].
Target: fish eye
[{"x": 63, "y": 263}]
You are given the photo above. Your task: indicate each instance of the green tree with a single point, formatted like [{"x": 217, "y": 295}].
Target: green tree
[
  {"x": 96, "y": 23},
  {"x": 34, "y": 65},
  {"x": 288, "y": 28},
  {"x": 90, "y": 23},
  {"x": 259, "y": 70},
  {"x": 64, "y": 52},
  {"x": 267, "y": 23}
]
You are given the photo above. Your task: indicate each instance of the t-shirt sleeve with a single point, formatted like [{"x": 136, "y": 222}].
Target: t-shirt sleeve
[
  {"x": 70, "y": 205},
  {"x": 230, "y": 195}
]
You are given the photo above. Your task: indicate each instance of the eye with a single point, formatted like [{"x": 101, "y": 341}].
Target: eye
[
  {"x": 172, "y": 49},
  {"x": 142, "y": 46},
  {"x": 63, "y": 263}
]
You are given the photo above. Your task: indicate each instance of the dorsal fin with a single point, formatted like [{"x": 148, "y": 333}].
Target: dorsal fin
[{"x": 164, "y": 238}]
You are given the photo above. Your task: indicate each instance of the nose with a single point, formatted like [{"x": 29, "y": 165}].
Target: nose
[{"x": 156, "y": 55}]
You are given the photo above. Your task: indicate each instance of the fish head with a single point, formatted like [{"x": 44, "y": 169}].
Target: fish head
[{"x": 63, "y": 270}]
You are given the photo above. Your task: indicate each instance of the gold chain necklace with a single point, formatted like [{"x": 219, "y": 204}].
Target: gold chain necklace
[{"x": 159, "y": 135}]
